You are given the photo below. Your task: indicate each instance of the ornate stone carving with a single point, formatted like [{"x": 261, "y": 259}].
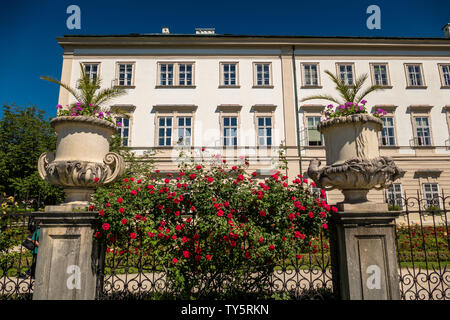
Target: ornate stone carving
[
  {"x": 79, "y": 173},
  {"x": 355, "y": 177}
]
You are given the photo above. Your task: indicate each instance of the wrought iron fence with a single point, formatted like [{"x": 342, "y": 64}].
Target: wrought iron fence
[
  {"x": 134, "y": 273},
  {"x": 16, "y": 262},
  {"x": 422, "y": 239}
]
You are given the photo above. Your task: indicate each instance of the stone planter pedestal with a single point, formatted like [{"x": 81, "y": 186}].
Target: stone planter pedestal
[
  {"x": 66, "y": 265},
  {"x": 364, "y": 255},
  {"x": 363, "y": 251}
]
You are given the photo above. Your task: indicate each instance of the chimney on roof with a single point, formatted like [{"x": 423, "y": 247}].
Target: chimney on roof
[
  {"x": 165, "y": 30},
  {"x": 446, "y": 29},
  {"x": 205, "y": 31}
]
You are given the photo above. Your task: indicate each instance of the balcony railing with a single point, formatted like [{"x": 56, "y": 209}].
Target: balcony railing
[{"x": 420, "y": 142}]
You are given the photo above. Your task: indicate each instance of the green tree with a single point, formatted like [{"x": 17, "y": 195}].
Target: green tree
[
  {"x": 348, "y": 93},
  {"x": 25, "y": 134}
]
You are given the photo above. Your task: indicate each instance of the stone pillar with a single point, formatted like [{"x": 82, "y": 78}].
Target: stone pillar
[
  {"x": 67, "y": 257},
  {"x": 364, "y": 255}
]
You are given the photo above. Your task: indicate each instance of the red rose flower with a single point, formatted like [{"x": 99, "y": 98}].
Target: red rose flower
[
  {"x": 188, "y": 220},
  {"x": 133, "y": 192},
  {"x": 133, "y": 235},
  {"x": 124, "y": 221},
  {"x": 299, "y": 256},
  {"x": 260, "y": 240},
  {"x": 186, "y": 254},
  {"x": 208, "y": 257},
  {"x": 105, "y": 226},
  {"x": 325, "y": 226},
  {"x": 121, "y": 210},
  {"x": 198, "y": 167},
  {"x": 96, "y": 179},
  {"x": 311, "y": 214},
  {"x": 271, "y": 247},
  {"x": 234, "y": 168},
  {"x": 101, "y": 212},
  {"x": 262, "y": 213},
  {"x": 174, "y": 260},
  {"x": 220, "y": 213},
  {"x": 192, "y": 176},
  {"x": 151, "y": 234},
  {"x": 119, "y": 200},
  {"x": 98, "y": 234}
]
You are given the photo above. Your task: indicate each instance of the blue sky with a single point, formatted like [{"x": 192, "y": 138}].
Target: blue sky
[{"x": 28, "y": 29}]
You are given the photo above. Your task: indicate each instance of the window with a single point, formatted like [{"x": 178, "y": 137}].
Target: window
[
  {"x": 394, "y": 195},
  {"x": 176, "y": 74},
  {"x": 125, "y": 74},
  {"x": 229, "y": 131},
  {"x": 229, "y": 75},
  {"x": 262, "y": 74},
  {"x": 431, "y": 194},
  {"x": 184, "y": 131},
  {"x": 445, "y": 74},
  {"x": 185, "y": 74},
  {"x": 310, "y": 74},
  {"x": 345, "y": 73},
  {"x": 166, "y": 74},
  {"x": 380, "y": 74},
  {"x": 91, "y": 69},
  {"x": 124, "y": 130},
  {"x": 388, "y": 131},
  {"x": 316, "y": 192},
  {"x": 414, "y": 75},
  {"x": 314, "y": 136},
  {"x": 423, "y": 137},
  {"x": 264, "y": 131},
  {"x": 165, "y": 131}
]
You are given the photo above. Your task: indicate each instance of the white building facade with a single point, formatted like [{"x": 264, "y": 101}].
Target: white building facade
[{"x": 241, "y": 96}]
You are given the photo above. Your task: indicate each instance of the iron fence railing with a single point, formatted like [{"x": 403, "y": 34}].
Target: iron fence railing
[
  {"x": 133, "y": 273},
  {"x": 422, "y": 241}
]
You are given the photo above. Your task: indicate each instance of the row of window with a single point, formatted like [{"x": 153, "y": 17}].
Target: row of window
[
  {"x": 379, "y": 72},
  {"x": 178, "y": 129},
  {"x": 430, "y": 193},
  {"x": 422, "y": 131},
  {"x": 182, "y": 74}
]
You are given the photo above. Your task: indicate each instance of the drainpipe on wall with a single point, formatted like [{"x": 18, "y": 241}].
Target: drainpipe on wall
[{"x": 296, "y": 111}]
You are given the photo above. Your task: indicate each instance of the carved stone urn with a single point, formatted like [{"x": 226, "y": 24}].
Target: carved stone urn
[
  {"x": 82, "y": 160},
  {"x": 354, "y": 165}
]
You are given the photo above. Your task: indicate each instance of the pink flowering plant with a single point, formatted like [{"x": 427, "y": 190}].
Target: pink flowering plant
[
  {"x": 349, "y": 108},
  {"x": 209, "y": 222},
  {"x": 89, "y": 96}
]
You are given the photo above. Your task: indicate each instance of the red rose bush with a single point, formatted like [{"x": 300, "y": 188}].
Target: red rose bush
[{"x": 210, "y": 226}]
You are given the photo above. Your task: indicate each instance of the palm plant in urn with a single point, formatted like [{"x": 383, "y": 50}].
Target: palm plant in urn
[
  {"x": 354, "y": 164},
  {"x": 82, "y": 160}
]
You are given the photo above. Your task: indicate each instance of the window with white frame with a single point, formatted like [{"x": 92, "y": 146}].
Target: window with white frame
[
  {"x": 264, "y": 131},
  {"x": 431, "y": 194},
  {"x": 394, "y": 195},
  {"x": 166, "y": 74},
  {"x": 125, "y": 74},
  {"x": 262, "y": 74},
  {"x": 229, "y": 74},
  {"x": 317, "y": 192},
  {"x": 314, "y": 136},
  {"x": 230, "y": 128},
  {"x": 380, "y": 74},
  {"x": 165, "y": 131},
  {"x": 388, "y": 131},
  {"x": 414, "y": 74},
  {"x": 184, "y": 130},
  {"x": 310, "y": 74},
  {"x": 91, "y": 69},
  {"x": 176, "y": 74},
  {"x": 345, "y": 73},
  {"x": 185, "y": 74},
  {"x": 123, "y": 122},
  {"x": 423, "y": 134},
  {"x": 445, "y": 74}
]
